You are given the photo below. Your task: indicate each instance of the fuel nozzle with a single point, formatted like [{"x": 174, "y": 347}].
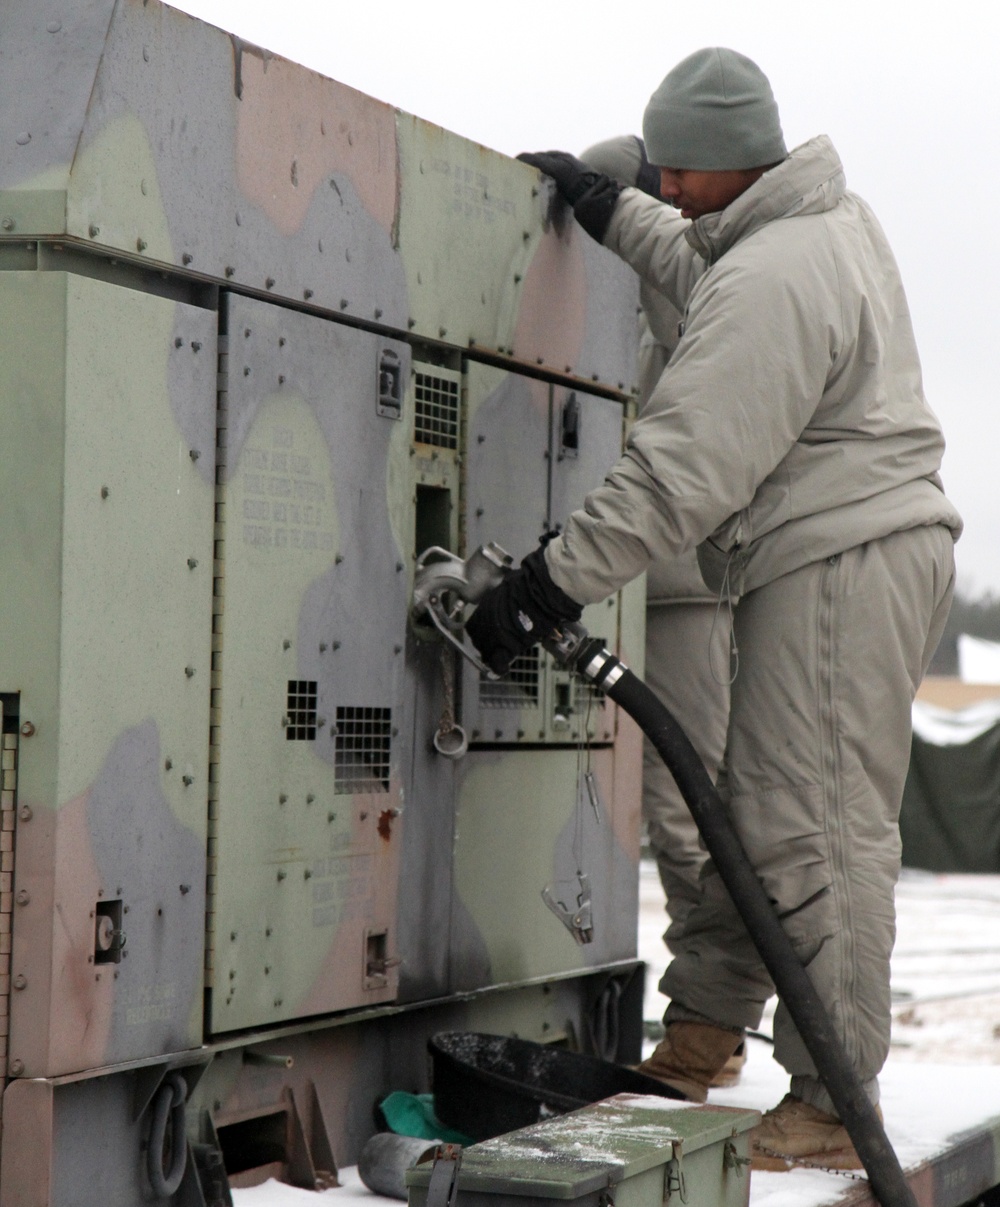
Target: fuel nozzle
[{"x": 445, "y": 587}]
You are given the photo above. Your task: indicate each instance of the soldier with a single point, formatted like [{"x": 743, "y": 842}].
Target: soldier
[
  {"x": 687, "y": 626},
  {"x": 789, "y": 440}
]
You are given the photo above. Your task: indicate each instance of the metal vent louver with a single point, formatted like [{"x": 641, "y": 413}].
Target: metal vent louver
[
  {"x": 300, "y": 710},
  {"x": 362, "y": 749},
  {"x": 520, "y": 688},
  {"x": 436, "y": 410}
]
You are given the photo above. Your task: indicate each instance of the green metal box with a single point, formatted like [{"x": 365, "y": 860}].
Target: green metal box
[{"x": 628, "y": 1151}]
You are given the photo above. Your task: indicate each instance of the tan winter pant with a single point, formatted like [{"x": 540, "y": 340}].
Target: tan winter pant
[
  {"x": 819, "y": 742},
  {"x": 687, "y": 653}
]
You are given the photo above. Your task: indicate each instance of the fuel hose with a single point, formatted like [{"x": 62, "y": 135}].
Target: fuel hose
[{"x": 790, "y": 978}]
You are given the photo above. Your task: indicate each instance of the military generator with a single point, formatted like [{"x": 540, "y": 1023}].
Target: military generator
[{"x": 265, "y": 340}]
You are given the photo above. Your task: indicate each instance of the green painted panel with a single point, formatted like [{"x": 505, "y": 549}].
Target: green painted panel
[
  {"x": 312, "y": 606},
  {"x": 113, "y": 668},
  {"x": 512, "y": 810}
]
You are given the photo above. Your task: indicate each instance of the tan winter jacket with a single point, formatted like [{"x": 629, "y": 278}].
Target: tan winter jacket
[{"x": 790, "y": 424}]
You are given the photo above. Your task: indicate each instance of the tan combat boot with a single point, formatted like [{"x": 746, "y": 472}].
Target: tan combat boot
[
  {"x": 732, "y": 1070},
  {"x": 795, "y": 1134},
  {"x": 690, "y": 1056}
]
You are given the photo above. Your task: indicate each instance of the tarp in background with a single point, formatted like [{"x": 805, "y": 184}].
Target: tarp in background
[
  {"x": 978, "y": 660},
  {"x": 950, "y": 819}
]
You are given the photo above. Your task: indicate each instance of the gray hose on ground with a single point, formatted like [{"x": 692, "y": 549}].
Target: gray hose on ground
[
  {"x": 167, "y": 1121},
  {"x": 791, "y": 980}
]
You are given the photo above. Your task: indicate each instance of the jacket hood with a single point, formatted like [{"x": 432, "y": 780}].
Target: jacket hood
[{"x": 810, "y": 181}]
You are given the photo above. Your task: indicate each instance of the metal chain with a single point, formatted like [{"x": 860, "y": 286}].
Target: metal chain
[
  {"x": 802, "y": 1163},
  {"x": 447, "y": 722}
]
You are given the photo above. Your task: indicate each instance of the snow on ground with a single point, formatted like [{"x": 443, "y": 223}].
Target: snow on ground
[{"x": 943, "y": 1074}]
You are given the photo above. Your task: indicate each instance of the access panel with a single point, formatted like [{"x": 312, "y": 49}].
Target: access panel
[
  {"x": 310, "y": 620},
  {"x": 535, "y": 450}
]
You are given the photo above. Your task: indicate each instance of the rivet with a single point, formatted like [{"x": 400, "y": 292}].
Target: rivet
[
  {"x": 186, "y": 258},
  {"x": 336, "y": 645},
  {"x": 185, "y": 889},
  {"x": 282, "y": 798},
  {"x": 442, "y": 331},
  {"x": 517, "y": 278},
  {"x": 411, "y": 323},
  {"x": 268, "y": 932},
  {"x": 307, "y": 294},
  {"x": 232, "y": 936},
  {"x": 187, "y": 780},
  {"x": 140, "y": 244},
  {"x": 192, "y": 562},
  {"x": 26, "y": 813},
  {"x": 338, "y": 558},
  {"x": 194, "y": 454},
  {"x": 189, "y": 671},
  {"x": 168, "y": 765},
  {"x": 94, "y": 230},
  {"x": 105, "y": 492},
  {"x": 7, "y": 224},
  {"x": 23, "y": 896},
  {"x": 286, "y": 644},
  {"x": 322, "y": 647},
  {"x": 378, "y": 313},
  {"x": 178, "y": 342},
  {"x": 27, "y": 729},
  {"x": 230, "y": 271},
  {"x": 195, "y": 346},
  {"x": 23, "y": 138},
  {"x": 54, "y": 27},
  {"x": 307, "y": 875},
  {"x": 331, "y": 817},
  {"x": 399, "y": 567},
  {"x": 281, "y": 873},
  {"x": 20, "y": 981},
  {"x": 281, "y": 379},
  {"x": 145, "y": 54},
  {"x": 246, "y": 370},
  {"x": 269, "y": 283},
  {"x": 343, "y": 303},
  {"x": 16, "y": 1068},
  {"x": 310, "y": 797}
]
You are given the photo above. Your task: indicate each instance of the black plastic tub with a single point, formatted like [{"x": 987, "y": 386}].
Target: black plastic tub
[{"x": 485, "y": 1085}]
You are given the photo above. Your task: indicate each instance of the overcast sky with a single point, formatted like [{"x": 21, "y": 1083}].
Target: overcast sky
[{"x": 908, "y": 93}]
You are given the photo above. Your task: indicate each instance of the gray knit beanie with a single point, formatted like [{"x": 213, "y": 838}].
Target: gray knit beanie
[{"x": 714, "y": 112}]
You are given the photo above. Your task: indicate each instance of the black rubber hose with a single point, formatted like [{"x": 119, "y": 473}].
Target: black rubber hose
[{"x": 791, "y": 980}]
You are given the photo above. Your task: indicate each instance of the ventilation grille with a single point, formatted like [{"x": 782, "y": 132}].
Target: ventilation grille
[
  {"x": 362, "y": 748},
  {"x": 520, "y": 688},
  {"x": 301, "y": 710},
  {"x": 436, "y": 411}
]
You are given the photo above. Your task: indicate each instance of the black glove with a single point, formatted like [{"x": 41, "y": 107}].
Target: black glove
[
  {"x": 526, "y": 607},
  {"x": 592, "y": 195}
]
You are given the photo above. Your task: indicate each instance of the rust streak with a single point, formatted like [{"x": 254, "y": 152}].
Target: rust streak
[{"x": 384, "y": 826}]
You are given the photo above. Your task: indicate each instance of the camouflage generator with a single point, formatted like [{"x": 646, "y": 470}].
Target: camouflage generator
[{"x": 266, "y": 340}]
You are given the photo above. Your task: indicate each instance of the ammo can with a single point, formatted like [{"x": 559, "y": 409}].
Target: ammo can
[{"x": 628, "y": 1151}]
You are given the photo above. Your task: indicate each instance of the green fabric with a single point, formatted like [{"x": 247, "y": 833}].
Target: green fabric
[
  {"x": 413, "y": 1115},
  {"x": 714, "y": 112},
  {"x": 950, "y": 820}
]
